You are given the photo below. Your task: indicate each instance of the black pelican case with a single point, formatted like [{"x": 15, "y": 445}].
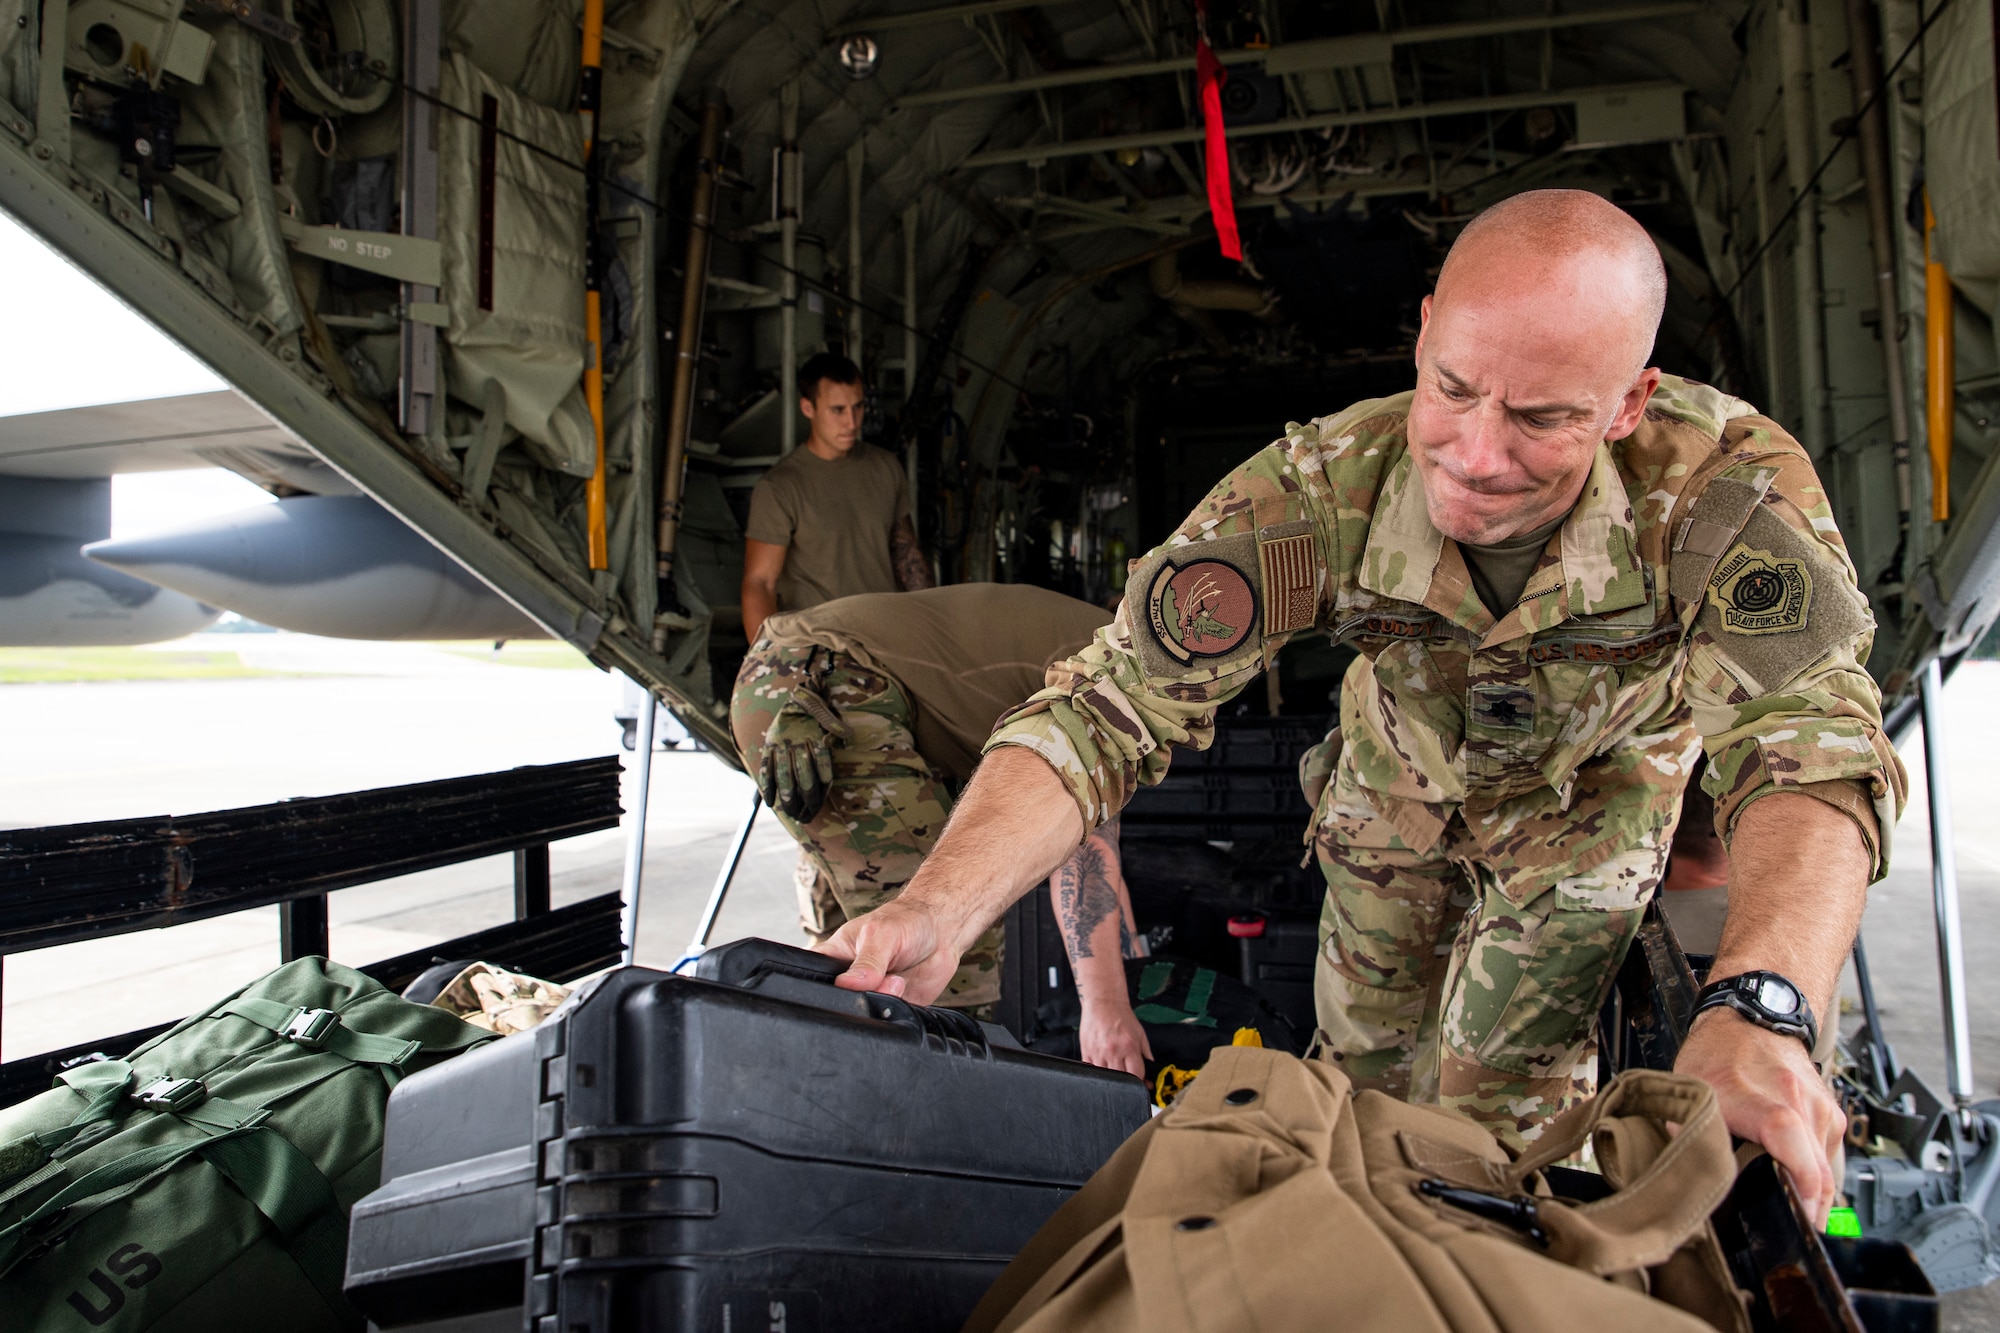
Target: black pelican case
[{"x": 748, "y": 1149}]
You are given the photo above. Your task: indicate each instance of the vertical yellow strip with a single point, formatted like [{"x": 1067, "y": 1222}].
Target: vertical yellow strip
[
  {"x": 589, "y": 97},
  {"x": 1940, "y": 370},
  {"x": 593, "y": 35},
  {"x": 593, "y": 394}
]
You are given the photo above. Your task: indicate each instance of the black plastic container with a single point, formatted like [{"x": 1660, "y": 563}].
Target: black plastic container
[
  {"x": 748, "y": 1149},
  {"x": 1277, "y": 961}
]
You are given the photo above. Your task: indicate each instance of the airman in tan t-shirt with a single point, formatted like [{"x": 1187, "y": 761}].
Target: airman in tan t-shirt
[{"x": 832, "y": 518}]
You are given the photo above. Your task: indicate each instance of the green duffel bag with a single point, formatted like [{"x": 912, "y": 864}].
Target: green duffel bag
[{"x": 204, "y": 1183}]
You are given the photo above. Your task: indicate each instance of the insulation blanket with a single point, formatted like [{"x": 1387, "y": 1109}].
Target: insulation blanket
[{"x": 531, "y": 341}]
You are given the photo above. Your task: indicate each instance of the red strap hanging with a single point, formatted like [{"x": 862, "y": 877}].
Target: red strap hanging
[{"x": 1210, "y": 76}]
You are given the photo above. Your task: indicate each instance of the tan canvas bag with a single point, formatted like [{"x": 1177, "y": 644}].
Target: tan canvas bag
[{"x": 1272, "y": 1197}]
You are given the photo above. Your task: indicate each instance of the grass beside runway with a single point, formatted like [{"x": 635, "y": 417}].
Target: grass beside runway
[
  {"x": 37, "y": 666},
  {"x": 203, "y": 658},
  {"x": 545, "y": 653}
]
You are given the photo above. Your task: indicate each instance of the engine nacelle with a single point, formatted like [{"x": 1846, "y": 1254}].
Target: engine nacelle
[{"x": 340, "y": 566}]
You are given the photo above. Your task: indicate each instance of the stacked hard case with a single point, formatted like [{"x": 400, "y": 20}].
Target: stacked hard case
[{"x": 748, "y": 1149}]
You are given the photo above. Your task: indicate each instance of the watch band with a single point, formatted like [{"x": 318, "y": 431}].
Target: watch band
[{"x": 1768, "y": 999}]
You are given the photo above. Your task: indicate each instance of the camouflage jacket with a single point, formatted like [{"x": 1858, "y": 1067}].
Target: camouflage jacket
[{"x": 1561, "y": 731}]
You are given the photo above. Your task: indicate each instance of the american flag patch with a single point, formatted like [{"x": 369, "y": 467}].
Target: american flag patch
[{"x": 1291, "y": 584}]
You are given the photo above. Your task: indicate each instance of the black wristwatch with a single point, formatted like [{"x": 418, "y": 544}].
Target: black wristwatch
[{"x": 1766, "y": 999}]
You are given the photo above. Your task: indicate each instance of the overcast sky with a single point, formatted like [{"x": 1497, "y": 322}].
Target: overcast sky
[{"x": 66, "y": 342}]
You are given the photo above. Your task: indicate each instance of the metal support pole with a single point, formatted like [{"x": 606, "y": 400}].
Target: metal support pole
[
  {"x": 1882, "y": 1067},
  {"x": 857, "y": 164},
  {"x": 909, "y": 303},
  {"x": 687, "y": 358},
  {"x": 531, "y": 881},
  {"x": 1944, "y": 894},
  {"x": 788, "y": 257},
  {"x": 418, "y": 408},
  {"x": 635, "y": 841},
  {"x": 723, "y": 879},
  {"x": 1864, "y": 68},
  {"x": 51, "y": 93},
  {"x": 910, "y": 358},
  {"x": 1801, "y": 153},
  {"x": 302, "y": 928},
  {"x": 1767, "y": 282}
]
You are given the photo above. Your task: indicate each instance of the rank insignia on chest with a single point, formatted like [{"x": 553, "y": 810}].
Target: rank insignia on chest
[
  {"x": 1761, "y": 593},
  {"x": 1202, "y": 607}
]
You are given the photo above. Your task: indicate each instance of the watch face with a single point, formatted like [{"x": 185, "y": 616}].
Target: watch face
[{"x": 1777, "y": 996}]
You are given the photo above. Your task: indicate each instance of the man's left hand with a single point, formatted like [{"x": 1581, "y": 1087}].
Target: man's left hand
[
  {"x": 1771, "y": 1094},
  {"x": 797, "y": 767},
  {"x": 1112, "y": 1037}
]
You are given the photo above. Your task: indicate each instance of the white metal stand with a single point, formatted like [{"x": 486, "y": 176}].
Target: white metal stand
[
  {"x": 1944, "y": 894},
  {"x": 723, "y": 877},
  {"x": 635, "y": 843}
]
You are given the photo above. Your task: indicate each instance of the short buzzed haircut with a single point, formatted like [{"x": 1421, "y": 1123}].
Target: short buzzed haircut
[
  {"x": 826, "y": 366},
  {"x": 1555, "y": 222}
]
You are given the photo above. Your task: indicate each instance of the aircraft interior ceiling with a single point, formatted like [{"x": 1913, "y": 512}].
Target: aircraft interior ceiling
[{"x": 379, "y": 221}]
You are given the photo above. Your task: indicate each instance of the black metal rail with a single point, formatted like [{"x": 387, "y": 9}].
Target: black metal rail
[
  {"x": 559, "y": 945},
  {"x": 85, "y": 881},
  {"x": 74, "y": 882}
]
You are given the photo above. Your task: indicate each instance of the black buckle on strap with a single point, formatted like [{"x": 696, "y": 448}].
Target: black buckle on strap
[
  {"x": 310, "y": 1028},
  {"x": 168, "y": 1093}
]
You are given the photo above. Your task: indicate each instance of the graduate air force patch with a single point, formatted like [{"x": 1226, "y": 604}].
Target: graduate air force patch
[{"x": 1762, "y": 593}]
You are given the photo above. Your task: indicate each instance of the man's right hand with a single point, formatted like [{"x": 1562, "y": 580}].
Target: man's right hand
[
  {"x": 1015, "y": 823},
  {"x": 897, "y": 949}
]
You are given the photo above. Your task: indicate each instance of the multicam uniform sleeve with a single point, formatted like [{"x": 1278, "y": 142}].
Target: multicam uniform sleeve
[
  {"x": 1203, "y": 614},
  {"x": 1774, "y": 673}
]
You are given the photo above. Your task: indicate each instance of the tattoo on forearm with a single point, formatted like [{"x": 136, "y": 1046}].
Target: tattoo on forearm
[
  {"x": 913, "y": 572},
  {"x": 1085, "y": 897}
]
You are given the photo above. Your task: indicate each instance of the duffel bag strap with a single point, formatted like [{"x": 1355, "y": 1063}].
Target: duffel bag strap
[
  {"x": 110, "y": 1084},
  {"x": 281, "y": 1183},
  {"x": 324, "y": 1030},
  {"x": 1657, "y": 1207},
  {"x": 133, "y": 1167},
  {"x": 105, "y": 1083},
  {"x": 294, "y": 1196}
]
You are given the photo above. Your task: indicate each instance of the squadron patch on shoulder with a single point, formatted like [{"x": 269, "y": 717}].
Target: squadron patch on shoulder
[
  {"x": 1202, "y": 608},
  {"x": 1761, "y": 593}
]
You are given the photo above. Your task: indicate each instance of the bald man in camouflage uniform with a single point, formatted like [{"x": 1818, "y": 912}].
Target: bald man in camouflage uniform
[
  {"x": 859, "y": 718},
  {"x": 1504, "y": 788},
  {"x": 1507, "y": 776}
]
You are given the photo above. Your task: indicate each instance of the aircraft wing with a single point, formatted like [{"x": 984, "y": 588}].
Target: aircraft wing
[{"x": 217, "y": 429}]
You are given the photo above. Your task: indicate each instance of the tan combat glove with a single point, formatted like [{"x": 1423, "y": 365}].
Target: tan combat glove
[{"x": 797, "y": 766}]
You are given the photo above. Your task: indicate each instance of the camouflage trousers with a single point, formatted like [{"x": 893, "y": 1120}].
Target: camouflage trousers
[
  {"x": 1432, "y": 984},
  {"x": 884, "y": 810}
]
